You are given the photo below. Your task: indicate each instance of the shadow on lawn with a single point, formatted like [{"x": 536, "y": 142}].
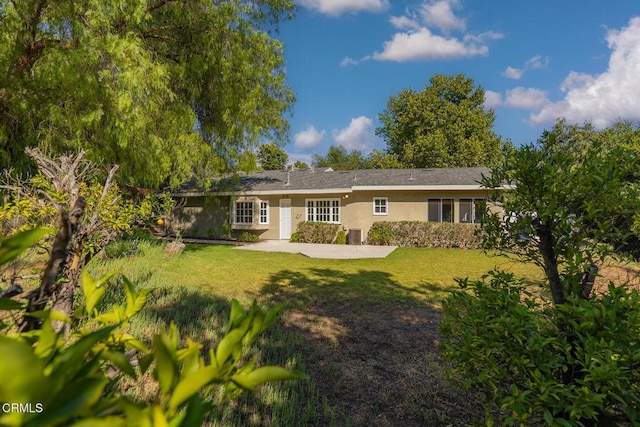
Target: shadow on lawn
[
  {"x": 204, "y": 318},
  {"x": 371, "y": 346}
]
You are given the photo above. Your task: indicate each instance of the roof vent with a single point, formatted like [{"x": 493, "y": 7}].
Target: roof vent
[
  {"x": 329, "y": 169},
  {"x": 288, "y": 178},
  {"x": 411, "y": 178},
  {"x": 355, "y": 176}
]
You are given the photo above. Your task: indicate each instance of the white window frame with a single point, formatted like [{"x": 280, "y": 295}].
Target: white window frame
[
  {"x": 383, "y": 207},
  {"x": 245, "y": 216},
  {"x": 263, "y": 212},
  {"x": 440, "y": 216},
  {"x": 315, "y": 213}
]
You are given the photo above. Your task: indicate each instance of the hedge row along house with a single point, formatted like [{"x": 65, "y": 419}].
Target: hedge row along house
[{"x": 271, "y": 204}]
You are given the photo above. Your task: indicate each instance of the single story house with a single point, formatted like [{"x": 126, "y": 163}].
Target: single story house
[{"x": 272, "y": 203}]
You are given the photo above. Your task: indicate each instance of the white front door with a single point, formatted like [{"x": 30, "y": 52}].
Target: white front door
[{"x": 285, "y": 219}]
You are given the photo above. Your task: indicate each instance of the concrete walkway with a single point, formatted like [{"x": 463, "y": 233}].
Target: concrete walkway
[{"x": 313, "y": 250}]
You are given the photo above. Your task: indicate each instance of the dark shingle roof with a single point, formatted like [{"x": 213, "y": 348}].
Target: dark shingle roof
[{"x": 322, "y": 180}]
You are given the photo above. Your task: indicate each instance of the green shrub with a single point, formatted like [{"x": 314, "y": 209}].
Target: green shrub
[
  {"x": 63, "y": 379},
  {"x": 140, "y": 234},
  {"x": 121, "y": 248},
  {"x": 341, "y": 238},
  {"x": 316, "y": 232},
  {"x": 249, "y": 237},
  {"x": 425, "y": 234},
  {"x": 295, "y": 238},
  {"x": 572, "y": 364}
]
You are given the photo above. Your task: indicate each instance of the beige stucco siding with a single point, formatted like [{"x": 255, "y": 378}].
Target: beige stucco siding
[
  {"x": 357, "y": 209},
  {"x": 204, "y": 216},
  {"x": 201, "y": 217}
]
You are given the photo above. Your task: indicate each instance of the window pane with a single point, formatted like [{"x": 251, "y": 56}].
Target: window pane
[
  {"x": 310, "y": 210},
  {"x": 479, "y": 207},
  {"x": 243, "y": 213},
  {"x": 323, "y": 210},
  {"x": 264, "y": 212},
  {"x": 380, "y": 206},
  {"x": 433, "y": 213},
  {"x": 447, "y": 210},
  {"x": 466, "y": 209}
]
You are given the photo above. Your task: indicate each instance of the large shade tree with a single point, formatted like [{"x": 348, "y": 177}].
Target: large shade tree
[
  {"x": 160, "y": 87},
  {"x": 444, "y": 125},
  {"x": 272, "y": 157}
]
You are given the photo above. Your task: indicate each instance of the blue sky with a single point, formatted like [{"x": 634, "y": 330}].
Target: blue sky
[{"x": 537, "y": 60}]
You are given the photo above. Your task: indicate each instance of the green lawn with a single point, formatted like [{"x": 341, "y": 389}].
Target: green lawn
[
  {"x": 366, "y": 331},
  {"x": 222, "y": 271}
]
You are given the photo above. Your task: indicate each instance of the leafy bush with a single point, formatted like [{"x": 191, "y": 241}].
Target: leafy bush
[
  {"x": 249, "y": 237},
  {"x": 425, "y": 234},
  {"x": 121, "y": 248},
  {"x": 572, "y": 364},
  {"x": 316, "y": 232},
  {"x": 341, "y": 238},
  {"x": 140, "y": 234},
  {"x": 295, "y": 238},
  {"x": 60, "y": 379}
]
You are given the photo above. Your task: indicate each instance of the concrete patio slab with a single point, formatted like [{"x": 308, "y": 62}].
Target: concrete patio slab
[{"x": 313, "y": 250}]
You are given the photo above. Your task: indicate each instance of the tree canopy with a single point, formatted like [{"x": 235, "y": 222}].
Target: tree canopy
[
  {"x": 338, "y": 158},
  {"x": 444, "y": 125},
  {"x": 272, "y": 157},
  {"x": 159, "y": 87},
  {"x": 575, "y": 196}
]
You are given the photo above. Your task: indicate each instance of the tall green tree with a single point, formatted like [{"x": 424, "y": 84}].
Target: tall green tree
[
  {"x": 381, "y": 160},
  {"x": 444, "y": 125},
  {"x": 271, "y": 157},
  {"x": 338, "y": 158},
  {"x": 567, "y": 355},
  {"x": 299, "y": 164},
  {"x": 159, "y": 87}
]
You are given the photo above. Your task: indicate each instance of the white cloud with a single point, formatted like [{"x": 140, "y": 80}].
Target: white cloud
[
  {"x": 338, "y": 7},
  {"x": 348, "y": 61},
  {"x": 423, "y": 45},
  {"x": 513, "y": 73},
  {"x": 439, "y": 14},
  {"x": 536, "y": 62},
  {"x": 308, "y": 139},
  {"x": 426, "y": 35},
  {"x": 404, "y": 22},
  {"x": 607, "y": 97},
  {"x": 357, "y": 136},
  {"x": 532, "y": 63},
  {"x": 492, "y": 99},
  {"x": 525, "y": 98}
]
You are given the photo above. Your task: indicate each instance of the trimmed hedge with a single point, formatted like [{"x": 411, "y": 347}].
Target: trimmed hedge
[
  {"x": 315, "y": 232},
  {"x": 424, "y": 234}
]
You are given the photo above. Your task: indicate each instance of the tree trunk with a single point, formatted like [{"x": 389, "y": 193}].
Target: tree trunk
[
  {"x": 55, "y": 270},
  {"x": 549, "y": 257}
]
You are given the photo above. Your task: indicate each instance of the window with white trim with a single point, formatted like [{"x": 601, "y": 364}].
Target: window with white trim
[
  {"x": 243, "y": 212},
  {"x": 471, "y": 210},
  {"x": 323, "y": 210},
  {"x": 440, "y": 210},
  {"x": 380, "y": 206},
  {"x": 264, "y": 212}
]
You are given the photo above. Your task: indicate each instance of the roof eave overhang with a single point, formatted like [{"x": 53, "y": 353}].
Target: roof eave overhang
[
  {"x": 417, "y": 187},
  {"x": 284, "y": 190}
]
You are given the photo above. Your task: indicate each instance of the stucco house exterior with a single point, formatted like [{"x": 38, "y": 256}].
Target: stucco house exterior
[{"x": 272, "y": 203}]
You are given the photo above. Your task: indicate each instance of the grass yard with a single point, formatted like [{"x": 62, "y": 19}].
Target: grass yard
[{"x": 365, "y": 331}]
